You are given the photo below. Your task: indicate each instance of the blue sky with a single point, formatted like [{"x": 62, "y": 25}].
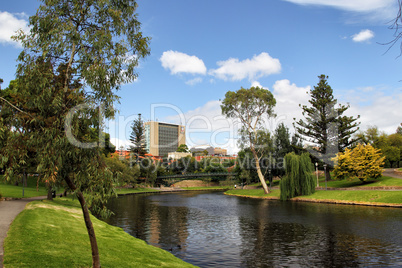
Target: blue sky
[{"x": 202, "y": 49}]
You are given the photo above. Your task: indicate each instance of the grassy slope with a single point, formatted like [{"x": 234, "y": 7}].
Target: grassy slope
[
  {"x": 371, "y": 196},
  {"x": 383, "y": 181},
  {"x": 54, "y": 234},
  {"x": 134, "y": 190},
  {"x": 208, "y": 188},
  {"x": 254, "y": 193}
]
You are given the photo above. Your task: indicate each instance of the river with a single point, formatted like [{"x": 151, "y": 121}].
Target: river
[{"x": 210, "y": 229}]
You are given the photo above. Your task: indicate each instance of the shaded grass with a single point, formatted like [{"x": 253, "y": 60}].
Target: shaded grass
[
  {"x": 16, "y": 191},
  {"x": 7, "y": 189},
  {"x": 134, "y": 190},
  {"x": 53, "y": 234}
]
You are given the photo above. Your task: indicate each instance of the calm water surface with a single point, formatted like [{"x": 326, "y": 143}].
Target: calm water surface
[{"x": 209, "y": 229}]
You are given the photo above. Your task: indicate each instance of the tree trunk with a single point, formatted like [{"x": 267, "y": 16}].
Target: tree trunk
[
  {"x": 49, "y": 192},
  {"x": 260, "y": 175},
  {"x": 88, "y": 224},
  {"x": 327, "y": 174}
]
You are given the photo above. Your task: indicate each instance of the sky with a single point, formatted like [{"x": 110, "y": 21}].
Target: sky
[{"x": 202, "y": 49}]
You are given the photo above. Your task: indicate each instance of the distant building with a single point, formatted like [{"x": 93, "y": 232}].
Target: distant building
[
  {"x": 199, "y": 150},
  {"x": 163, "y": 138},
  {"x": 177, "y": 155}
]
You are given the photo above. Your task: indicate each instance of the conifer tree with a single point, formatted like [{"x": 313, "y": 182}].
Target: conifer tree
[
  {"x": 137, "y": 138},
  {"x": 325, "y": 124}
]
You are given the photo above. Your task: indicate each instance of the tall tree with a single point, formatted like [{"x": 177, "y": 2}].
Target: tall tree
[
  {"x": 251, "y": 106},
  {"x": 77, "y": 54},
  {"x": 399, "y": 129},
  {"x": 325, "y": 126},
  {"x": 137, "y": 138}
]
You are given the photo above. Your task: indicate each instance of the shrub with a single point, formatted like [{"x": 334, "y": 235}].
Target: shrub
[{"x": 363, "y": 162}]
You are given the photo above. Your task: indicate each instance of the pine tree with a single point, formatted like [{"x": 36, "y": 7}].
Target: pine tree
[
  {"x": 137, "y": 138},
  {"x": 325, "y": 125}
]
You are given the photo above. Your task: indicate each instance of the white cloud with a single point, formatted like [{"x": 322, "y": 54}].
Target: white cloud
[
  {"x": 372, "y": 10},
  {"x": 194, "y": 81},
  {"x": 235, "y": 70},
  {"x": 178, "y": 62},
  {"x": 376, "y": 109},
  {"x": 363, "y": 35},
  {"x": 9, "y": 24},
  {"x": 288, "y": 97},
  {"x": 119, "y": 142},
  {"x": 350, "y": 5}
]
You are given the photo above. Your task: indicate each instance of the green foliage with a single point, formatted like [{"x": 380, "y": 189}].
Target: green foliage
[
  {"x": 299, "y": 179},
  {"x": 390, "y": 145},
  {"x": 148, "y": 170},
  {"x": 363, "y": 162},
  {"x": 183, "y": 149},
  {"x": 75, "y": 57},
  {"x": 137, "y": 137},
  {"x": 324, "y": 124},
  {"x": 122, "y": 171}
]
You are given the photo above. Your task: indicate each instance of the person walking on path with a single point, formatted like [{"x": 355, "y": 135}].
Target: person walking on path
[{"x": 8, "y": 211}]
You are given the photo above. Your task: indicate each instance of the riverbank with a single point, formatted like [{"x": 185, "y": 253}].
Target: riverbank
[
  {"x": 53, "y": 233},
  {"x": 350, "y": 197}
]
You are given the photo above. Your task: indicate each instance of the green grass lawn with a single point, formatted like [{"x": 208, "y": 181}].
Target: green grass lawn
[
  {"x": 383, "y": 181},
  {"x": 274, "y": 183},
  {"x": 53, "y": 234},
  {"x": 208, "y": 188},
  {"x": 134, "y": 190},
  {"x": 9, "y": 190},
  {"x": 254, "y": 193},
  {"x": 360, "y": 196}
]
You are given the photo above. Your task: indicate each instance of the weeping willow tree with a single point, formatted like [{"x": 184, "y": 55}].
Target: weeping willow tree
[{"x": 299, "y": 179}]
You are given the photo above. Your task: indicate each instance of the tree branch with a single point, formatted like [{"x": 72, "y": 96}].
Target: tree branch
[{"x": 15, "y": 107}]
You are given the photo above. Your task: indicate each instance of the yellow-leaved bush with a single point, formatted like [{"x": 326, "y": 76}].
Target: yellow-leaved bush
[{"x": 362, "y": 162}]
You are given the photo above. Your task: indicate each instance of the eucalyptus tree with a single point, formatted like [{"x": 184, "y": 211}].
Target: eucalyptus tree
[
  {"x": 74, "y": 59},
  {"x": 251, "y": 106}
]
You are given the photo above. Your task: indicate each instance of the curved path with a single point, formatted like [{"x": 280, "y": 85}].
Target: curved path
[
  {"x": 391, "y": 173},
  {"x": 8, "y": 211}
]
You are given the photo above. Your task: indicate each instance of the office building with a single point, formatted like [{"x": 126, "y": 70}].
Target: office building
[{"x": 163, "y": 138}]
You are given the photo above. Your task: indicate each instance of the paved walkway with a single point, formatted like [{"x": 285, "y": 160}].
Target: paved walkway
[
  {"x": 8, "y": 211},
  {"x": 391, "y": 173}
]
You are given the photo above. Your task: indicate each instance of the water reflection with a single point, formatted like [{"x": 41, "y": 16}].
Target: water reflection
[{"x": 211, "y": 229}]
